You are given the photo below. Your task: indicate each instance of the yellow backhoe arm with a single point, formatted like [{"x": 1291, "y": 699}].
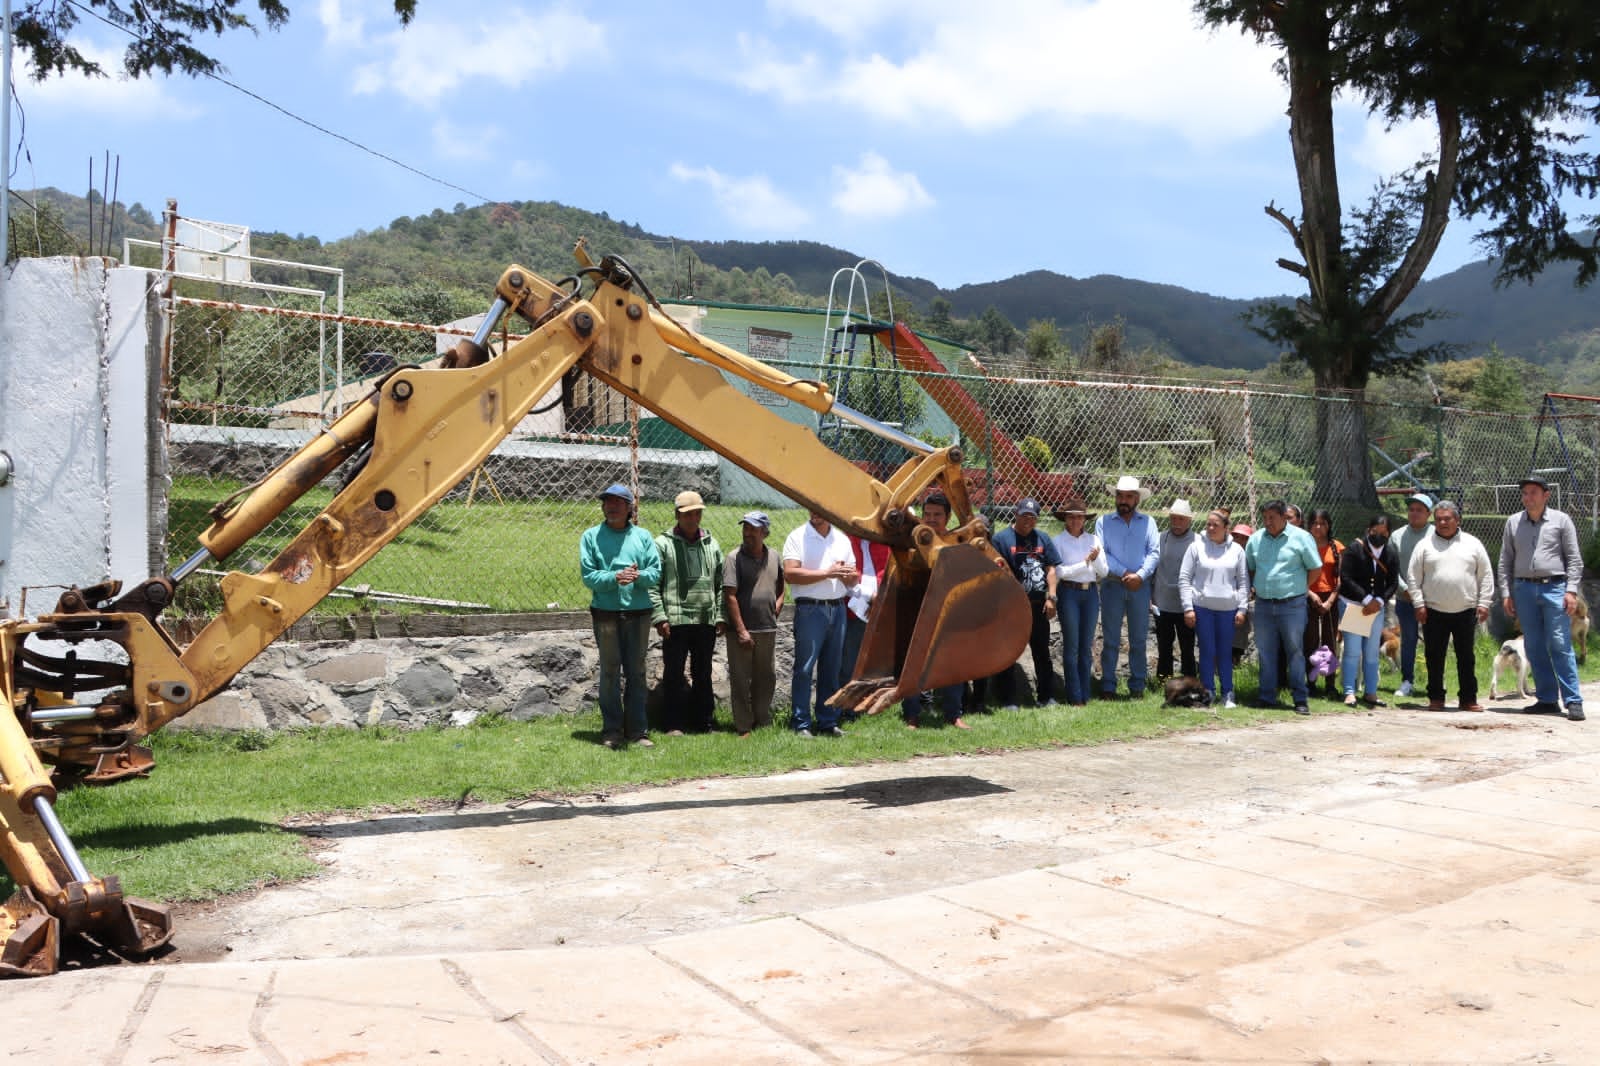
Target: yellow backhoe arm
[{"x": 949, "y": 612}]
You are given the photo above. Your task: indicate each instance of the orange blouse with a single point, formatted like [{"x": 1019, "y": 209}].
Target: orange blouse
[{"x": 1326, "y": 580}]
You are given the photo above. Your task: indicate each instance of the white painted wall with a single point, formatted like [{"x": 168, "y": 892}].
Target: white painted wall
[{"x": 79, "y": 381}]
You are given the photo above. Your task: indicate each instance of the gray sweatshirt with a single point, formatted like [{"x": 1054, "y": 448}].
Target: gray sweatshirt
[{"x": 1165, "y": 592}]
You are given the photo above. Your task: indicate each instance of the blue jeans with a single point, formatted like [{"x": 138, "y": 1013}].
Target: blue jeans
[
  {"x": 1406, "y": 615},
  {"x": 1078, "y": 610},
  {"x": 1361, "y": 652},
  {"x": 1281, "y": 627},
  {"x": 1547, "y": 638},
  {"x": 1214, "y": 634},
  {"x": 818, "y": 648},
  {"x": 622, "y": 640},
  {"x": 1116, "y": 601},
  {"x": 949, "y": 699}
]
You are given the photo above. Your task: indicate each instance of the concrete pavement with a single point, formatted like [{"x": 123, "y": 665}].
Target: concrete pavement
[{"x": 1387, "y": 887}]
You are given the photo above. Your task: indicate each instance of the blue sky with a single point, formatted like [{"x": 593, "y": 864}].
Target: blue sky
[{"x": 955, "y": 141}]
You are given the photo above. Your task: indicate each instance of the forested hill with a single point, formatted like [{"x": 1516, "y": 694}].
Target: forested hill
[{"x": 463, "y": 251}]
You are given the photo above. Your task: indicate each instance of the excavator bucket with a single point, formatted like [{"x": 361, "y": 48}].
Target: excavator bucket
[{"x": 961, "y": 619}]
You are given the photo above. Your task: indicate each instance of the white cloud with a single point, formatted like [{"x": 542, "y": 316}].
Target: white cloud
[
  {"x": 1148, "y": 63},
  {"x": 433, "y": 58},
  {"x": 111, "y": 97},
  {"x": 1389, "y": 151},
  {"x": 875, "y": 190},
  {"x": 340, "y": 26},
  {"x": 751, "y": 202}
]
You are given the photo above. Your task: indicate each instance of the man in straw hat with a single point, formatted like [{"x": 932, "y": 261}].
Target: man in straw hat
[
  {"x": 1175, "y": 542},
  {"x": 689, "y": 616},
  {"x": 1132, "y": 550}
]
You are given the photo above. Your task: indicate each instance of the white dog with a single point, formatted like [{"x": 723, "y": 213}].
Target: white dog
[{"x": 1512, "y": 658}]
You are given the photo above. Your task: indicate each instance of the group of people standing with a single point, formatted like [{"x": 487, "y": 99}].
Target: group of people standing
[
  {"x": 1311, "y": 601},
  {"x": 681, "y": 585}
]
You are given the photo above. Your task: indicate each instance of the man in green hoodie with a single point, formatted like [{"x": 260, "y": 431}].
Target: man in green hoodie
[
  {"x": 620, "y": 567},
  {"x": 688, "y": 612}
]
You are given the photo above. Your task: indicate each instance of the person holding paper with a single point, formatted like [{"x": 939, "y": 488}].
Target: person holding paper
[{"x": 1368, "y": 574}]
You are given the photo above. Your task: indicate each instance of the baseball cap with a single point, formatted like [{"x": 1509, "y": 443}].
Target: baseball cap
[
  {"x": 1534, "y": 479},
  {"x": 1242, "y": 530},
  {"x": 617, "y": 489},
  {"x": 688, "y": 501},
  {"x": 757, "y": 519},
  {"x": 1028, "y": 505},
  {"x": 1422, "y": 498}
]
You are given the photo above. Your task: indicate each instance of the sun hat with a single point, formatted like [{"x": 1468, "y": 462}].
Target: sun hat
[
  {"x": 1070, "y": 506},
  {"x": 1129, "y": 483},
  {"x": 1180, "y": 508}
]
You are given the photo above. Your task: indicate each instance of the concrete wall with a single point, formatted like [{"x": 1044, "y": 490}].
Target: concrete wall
[{"x": 78, "y": 392}]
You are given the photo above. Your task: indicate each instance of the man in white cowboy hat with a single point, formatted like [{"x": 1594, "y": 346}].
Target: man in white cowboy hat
[
  {"x": 1175, "y": 542},
  {"x": 1132, "y": 550}
]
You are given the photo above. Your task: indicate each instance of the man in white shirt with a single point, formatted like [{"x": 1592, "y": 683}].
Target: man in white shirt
[
  {"x": 1452, "y": 586},
  {"x": 820, "y": 569}
]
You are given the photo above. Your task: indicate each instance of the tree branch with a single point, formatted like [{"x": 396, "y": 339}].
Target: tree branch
[{"x": 1435, "y": 217}]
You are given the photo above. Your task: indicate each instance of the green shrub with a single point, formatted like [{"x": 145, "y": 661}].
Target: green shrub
[{"x": 1037, "y": 451}]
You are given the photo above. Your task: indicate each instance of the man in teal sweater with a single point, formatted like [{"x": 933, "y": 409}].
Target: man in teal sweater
[
  {"x": 620, "y": 567},
  {"x": 689, "y": 615}
]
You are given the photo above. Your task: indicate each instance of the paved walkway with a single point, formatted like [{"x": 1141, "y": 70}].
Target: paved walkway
[{"x": 1387, "y": 887}]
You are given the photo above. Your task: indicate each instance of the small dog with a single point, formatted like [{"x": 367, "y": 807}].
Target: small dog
[
  {"x": 1513, "y": 659},
  {"x": 1389, "y": 647},
  {"x": 1580, "y": 629},
  {"x": 1321, "y": 663},
  {"x": 1185, "y": 692}
]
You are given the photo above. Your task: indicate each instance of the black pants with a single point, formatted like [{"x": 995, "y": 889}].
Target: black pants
[
  {"x": 1441, "y": 630},
  {"x": 1170, "y": 624},
  {"x": 688, "y": 705},
  {"x": 1044, "y": 672}
]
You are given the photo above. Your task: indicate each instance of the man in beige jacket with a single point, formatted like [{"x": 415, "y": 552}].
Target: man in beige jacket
[{"x": 1452, "y": 586}]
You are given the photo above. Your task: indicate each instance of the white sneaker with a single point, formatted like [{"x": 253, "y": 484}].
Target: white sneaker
[
  {"x": 1228, "y": 704},
  {"x": 1404, "y": 689}
]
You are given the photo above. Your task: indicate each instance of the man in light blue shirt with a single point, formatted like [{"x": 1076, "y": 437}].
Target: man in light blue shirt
[
  {"x": 1132, "y": 549},
  {"x": 1281, "y": 559}
]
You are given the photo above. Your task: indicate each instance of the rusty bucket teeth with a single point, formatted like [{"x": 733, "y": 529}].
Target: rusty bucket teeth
[
  {"x": 964, "y": 619},
  {"x": 32, "y": 946}
]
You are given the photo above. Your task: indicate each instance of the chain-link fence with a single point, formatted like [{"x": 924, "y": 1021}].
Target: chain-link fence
[{"x": 249, "y": 384}]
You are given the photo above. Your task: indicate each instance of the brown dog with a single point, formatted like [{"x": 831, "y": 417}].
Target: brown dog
[
  {"x": 1186, "y": 692},
  {"x": 1389, "y": 647},
  {"x": 1580, "y": 629}
]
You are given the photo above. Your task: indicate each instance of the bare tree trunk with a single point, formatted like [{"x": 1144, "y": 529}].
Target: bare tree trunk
[{"x": 1343, "y": 481}]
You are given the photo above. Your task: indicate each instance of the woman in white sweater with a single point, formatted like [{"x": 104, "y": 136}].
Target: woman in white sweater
[
  {"x": 1083, "y": 566},
  {"x": 1214, "y": 585}
]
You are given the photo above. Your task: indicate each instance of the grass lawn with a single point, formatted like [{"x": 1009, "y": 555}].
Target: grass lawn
[
  {"x": 520, "y": 555},
  {"x": 210, "y": 819}
]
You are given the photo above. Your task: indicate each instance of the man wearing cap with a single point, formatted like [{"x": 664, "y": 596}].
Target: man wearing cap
[
  {"x": 1033, "y": 560},
  {"x": 752, "y": 596},
  {"x": 1419, "y": 525},
  {"x": 620, "y": 565},
  {"x": 1281, "y": 559},
  {"x": 686, "y": 608},
  {"x": 820, "y": 568},
  {"x": 1540, "y": 568},
  {"x": 1132, "y": 550},
  {"x": 1174, "y": 545}
]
